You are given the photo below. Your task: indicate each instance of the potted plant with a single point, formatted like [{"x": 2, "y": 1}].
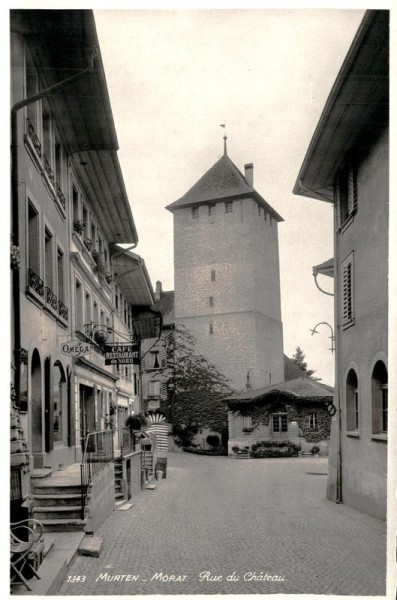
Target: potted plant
[
  {"x": 78, "y": 226},
  {"x": 136, "y": 422}
]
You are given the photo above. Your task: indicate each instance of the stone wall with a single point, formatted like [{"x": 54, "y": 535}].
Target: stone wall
[
  {"x": 241, "y": 248},
  {"x": 101, "y": 501}
]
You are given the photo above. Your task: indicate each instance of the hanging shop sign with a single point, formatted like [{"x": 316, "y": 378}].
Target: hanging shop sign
[
  {"x": 75, "y": 348},
  {"x": 122, "y": 354}
]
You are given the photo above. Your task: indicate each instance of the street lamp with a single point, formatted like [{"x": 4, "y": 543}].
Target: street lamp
[{"x": 332, "y": 337}]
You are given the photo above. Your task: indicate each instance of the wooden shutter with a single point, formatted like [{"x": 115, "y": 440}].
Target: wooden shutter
[
  {"x": 352, "y": 185},
  {"x": 48, "y": 406},
  {"x": 347, "y": 309},
  {"x": 337, "y": 202}
]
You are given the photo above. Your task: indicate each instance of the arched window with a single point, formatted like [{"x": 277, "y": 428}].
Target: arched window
[
  {"x": 379, "y": 398},
  {"x": 352, "y": 402},
  {"x": 59, "y": 392}
]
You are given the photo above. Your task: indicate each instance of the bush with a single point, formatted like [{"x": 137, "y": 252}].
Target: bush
[
  {"x": 213, "y": 440},
  {"x": 211, "y": 452},
  {"x": 270, "y": 449}
]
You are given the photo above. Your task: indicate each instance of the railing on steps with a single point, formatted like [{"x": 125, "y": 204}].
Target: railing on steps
[
  {"x": 129, "y": 441},
  {"x": 98, "y": 452}
]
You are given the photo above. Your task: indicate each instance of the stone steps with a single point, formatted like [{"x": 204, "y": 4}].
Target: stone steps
[
  {"x": 63, "y": 524},
  {"x": 57, "y": 501},
  {"x": 57, "y": 512}
]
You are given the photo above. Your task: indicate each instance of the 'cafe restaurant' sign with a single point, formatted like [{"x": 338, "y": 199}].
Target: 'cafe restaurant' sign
[{"x": 122, "y": 354}]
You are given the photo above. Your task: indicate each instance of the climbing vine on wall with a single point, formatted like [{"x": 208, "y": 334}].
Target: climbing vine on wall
[
  {"x": 195, "y": 387},
  {"x": 260, "y": 414}
]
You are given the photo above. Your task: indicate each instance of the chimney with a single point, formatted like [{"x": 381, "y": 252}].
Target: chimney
[
  {"x": 249, "y": 174},
  {"x": 159, "y": 290}
]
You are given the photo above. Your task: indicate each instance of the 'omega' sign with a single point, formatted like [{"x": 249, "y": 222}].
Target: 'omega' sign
[{"x": 75, "y": 348}]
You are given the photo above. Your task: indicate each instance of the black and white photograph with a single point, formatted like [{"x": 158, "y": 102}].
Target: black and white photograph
[{"x": 200, "y": 318}]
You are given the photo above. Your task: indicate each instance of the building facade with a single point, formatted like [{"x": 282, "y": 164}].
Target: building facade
[
  {"x": 69, "y": 212},
  {"x": 292, "y": 412},
  {"x": 347, "y": 164},
  {"x": 227, "y": 281}
]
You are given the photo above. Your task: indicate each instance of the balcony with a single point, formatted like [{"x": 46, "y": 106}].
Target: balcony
[
  {"x": 48, "y": 170},
  {"x": 63, "y": 311},
  {"x": 33, "y": 137},
  {"x": 35, "y": 283},
  {"x": 51, "y": 298},
  {"x": 60, "y": 196}
]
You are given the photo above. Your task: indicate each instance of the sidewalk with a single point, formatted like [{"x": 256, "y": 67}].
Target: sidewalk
[{"x": 223, "y": 526}]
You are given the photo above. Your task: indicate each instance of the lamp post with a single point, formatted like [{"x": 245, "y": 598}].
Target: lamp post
[{"x": 331, "y": 337}]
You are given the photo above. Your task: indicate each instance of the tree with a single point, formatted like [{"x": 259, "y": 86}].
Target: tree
[
  {"x": 299, "y": 360},
  {"x": 196, "y": 388}
]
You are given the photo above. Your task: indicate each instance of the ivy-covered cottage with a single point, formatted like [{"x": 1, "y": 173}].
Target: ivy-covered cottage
[{"x": 294, "y": 411}]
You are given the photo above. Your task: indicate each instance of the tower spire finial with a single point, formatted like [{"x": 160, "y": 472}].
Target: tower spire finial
[{"x": 224, "y": 139}]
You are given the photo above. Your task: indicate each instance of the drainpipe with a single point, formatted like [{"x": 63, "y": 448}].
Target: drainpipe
[
  {"x": 53, "y": 89},
  {"x": 339, "y": 496}
]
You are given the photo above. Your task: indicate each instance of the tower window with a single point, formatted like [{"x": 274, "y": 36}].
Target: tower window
[
  {"x": 212, "y": 274},
  {"x": 211, "y": 328},
  {"x": 265, "y": 215},
  {"x": 229, "y": 206},
  {"x": 211, "y": 301},
  {"x": 195, "y": 212},
  {"x": 211, "y": 210}
]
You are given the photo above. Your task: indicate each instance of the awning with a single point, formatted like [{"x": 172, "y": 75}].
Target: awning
[{"x": 130, "y": 273}]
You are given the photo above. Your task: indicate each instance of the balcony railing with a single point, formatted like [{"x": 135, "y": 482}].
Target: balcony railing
[
  {"x": 33, "y": 136},
  {"x": 98, "y": 452},
  {"x": 63, "y": 310},
  {"x": 60, "y": 195},
  {"x": 35, "y": 283},
  {"x": 51, "y": 298},
  {"x": 48, "y": 170}
]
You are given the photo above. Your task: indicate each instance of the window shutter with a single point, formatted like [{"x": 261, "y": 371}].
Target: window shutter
[
  {"x": 347, "y": 292},
  {"x": 48, "y": 405},
  {"x": 352, "y": 183},
  {"x": 337, "y": 202}
]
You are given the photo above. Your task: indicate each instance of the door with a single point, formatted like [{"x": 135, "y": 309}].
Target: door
[{"x": 280, "y": 426}]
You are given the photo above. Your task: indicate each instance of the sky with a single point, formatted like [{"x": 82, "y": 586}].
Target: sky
[{"x": 174, "y": 76}]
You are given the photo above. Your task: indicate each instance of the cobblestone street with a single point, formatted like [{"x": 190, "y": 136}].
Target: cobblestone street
[{"x": 242, "y": 527}]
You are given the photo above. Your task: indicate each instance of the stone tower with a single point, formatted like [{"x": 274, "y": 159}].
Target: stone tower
[{"x": 227, "y": 278}]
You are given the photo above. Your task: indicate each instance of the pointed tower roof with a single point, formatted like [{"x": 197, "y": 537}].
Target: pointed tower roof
[{"x": 223, "y": 181}]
